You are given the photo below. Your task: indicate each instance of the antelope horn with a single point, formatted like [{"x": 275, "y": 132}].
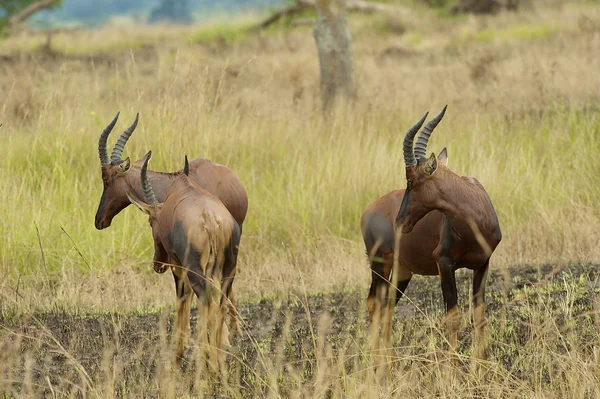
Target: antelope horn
[
  {"x": 120, "y": 146},
  {"x": 146, "y": 187},
  {"x": 409, "y": 156},
  {"x": 421, "y": 145},
  {"x": 186, "y": 167},
  {"x": 102, "y": 142}
]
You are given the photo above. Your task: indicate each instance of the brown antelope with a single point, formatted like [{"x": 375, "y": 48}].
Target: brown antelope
[
  {"x": 445, "y": 222},
  {"x": 196, "y": 235},
  {"x": 121, "y": 180}
]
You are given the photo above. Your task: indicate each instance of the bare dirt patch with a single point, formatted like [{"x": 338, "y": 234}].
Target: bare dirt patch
[{"x": 49, "y": 347}]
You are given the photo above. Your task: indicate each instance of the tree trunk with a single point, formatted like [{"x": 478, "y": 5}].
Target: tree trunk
[{"x": 333, "y": 43}]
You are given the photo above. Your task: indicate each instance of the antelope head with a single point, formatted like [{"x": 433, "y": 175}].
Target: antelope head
[
  {"x": 114, "y": 195},
  {"x": 422, "y": 193}
]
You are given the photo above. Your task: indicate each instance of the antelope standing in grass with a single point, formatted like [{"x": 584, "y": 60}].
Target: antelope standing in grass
[
  {"x": 121, "y": 180},
  {"x": 194, "y": 233},
  {"x": 445, "y": 222}
]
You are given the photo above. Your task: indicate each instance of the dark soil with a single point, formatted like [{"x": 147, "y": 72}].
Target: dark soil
[{"x": 56, "y": 345}]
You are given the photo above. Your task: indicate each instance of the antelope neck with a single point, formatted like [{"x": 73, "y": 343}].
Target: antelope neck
[
  {"x": 461, "y": 199},
  {"x": 160, "y": 182}
]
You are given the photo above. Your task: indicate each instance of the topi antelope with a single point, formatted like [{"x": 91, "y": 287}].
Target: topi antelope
[
  {"x": 121, "y": 180},
  {"x": 445, "y": 222},
  {"x": 194, "y": 233}
]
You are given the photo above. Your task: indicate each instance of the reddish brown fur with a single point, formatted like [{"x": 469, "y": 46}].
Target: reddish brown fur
[
  {"x": 416, "y": 248},
  {"x": 122, "y": 179},
  {"x": 447, "y": 222},
  {"x": 195, "y": 234},
  {"x": 469, "y": 234},
  {"x": 460, "y": 199}
]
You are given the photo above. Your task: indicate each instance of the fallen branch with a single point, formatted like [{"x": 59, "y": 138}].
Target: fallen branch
[
  {"x": 299, "y": 6},
  {"x": 366, "y": 7}
]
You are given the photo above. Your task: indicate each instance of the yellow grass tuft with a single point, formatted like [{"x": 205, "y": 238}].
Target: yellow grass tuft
[{"x": 525, "y": 123}]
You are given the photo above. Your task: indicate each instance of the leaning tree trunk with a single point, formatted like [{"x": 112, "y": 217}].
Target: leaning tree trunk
[
  {"x": 31, "y": 9},
  {"x": 333, "y": 43}
]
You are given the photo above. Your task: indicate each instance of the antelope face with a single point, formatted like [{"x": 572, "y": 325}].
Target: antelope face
[
  {"x": 422, "y": 194},
  {"x": 421, "y": 190},
  {"x": 114, "y": 194}
]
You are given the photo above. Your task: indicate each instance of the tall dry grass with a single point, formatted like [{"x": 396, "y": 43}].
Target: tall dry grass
[
  {"x": 543, "y": 343},
  {"x": 523, "y": 118}
]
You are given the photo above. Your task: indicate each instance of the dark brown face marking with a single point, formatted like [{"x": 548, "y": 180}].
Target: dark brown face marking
[
  {"x": 99, "y": 220},
  {"x": 112, "y": 200},
  {"x": 403, "y": 212},
  {"x": 416, "y": 177}
]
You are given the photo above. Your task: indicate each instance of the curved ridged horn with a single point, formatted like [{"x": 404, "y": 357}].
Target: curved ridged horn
[
  {"x": 148, "y": 192},
  {"x": 186, "y": 167},
  {"x": 421, "y": 145},
  {"x": 102, "y": 142},
  {"x": 409, "y": 156},
  {"x": 120, "y": 146}
]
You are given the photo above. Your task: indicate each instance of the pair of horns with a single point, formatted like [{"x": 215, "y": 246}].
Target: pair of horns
[
  {"x": 420, "y": 148},
  {"x": 146, "y": 187},
  {"x": 115, "y": 157}
]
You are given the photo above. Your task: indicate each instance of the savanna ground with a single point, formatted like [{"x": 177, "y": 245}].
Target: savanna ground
[{"x": 84, "y": 314}]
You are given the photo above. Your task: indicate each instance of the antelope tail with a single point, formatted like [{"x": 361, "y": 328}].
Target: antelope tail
[{"x": 213, "y": 230}]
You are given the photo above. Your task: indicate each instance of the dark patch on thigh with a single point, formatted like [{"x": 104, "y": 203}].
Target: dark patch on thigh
[
  {"x": 231, "y": 251},
  {"x": 180, "y": 244},
  {"x": 378, "y": 232}
]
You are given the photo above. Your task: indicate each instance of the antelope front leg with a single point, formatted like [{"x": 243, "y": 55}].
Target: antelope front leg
[
  {"x": 479, "y": 282},
  {"x": 446, "y": 269},
  {"x": 449, "y": 291}
]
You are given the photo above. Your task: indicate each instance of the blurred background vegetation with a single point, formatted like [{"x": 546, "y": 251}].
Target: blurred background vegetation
[
  {"x": 85, "y": 13},
  {"x": 237, "y": 82}
]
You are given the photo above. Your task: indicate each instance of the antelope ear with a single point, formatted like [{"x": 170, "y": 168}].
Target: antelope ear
[
  {"x": 142, "y": 206},
  {"x": 125, "y": 165},
  {"x": 443, "y": 157},
  {"x": 431, "y": 165}
]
